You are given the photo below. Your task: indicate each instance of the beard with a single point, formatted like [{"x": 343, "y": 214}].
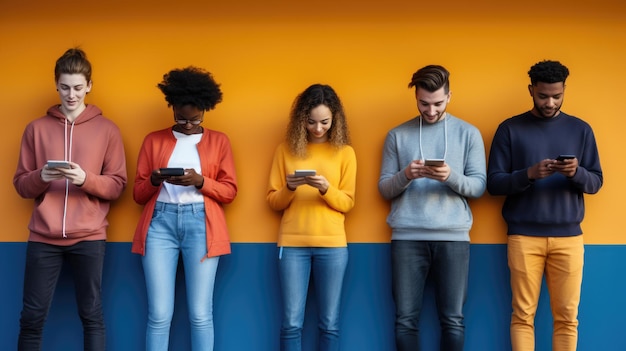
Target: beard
[
  {"x": 546, "y": 112},
  {"x": 433, "y": 119}
]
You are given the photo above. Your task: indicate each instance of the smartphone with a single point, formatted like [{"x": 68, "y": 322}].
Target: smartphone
[
  {"x": 565, "y": 157},
  {"x": 304, "y": 172},
  {"x": 58, "y": 164},
  {"x": 168, "y": 172},
  {"x": 433, "y": 162}
]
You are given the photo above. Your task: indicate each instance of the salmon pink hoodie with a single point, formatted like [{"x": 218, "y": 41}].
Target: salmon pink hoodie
[{"x": 65, "y": 214}]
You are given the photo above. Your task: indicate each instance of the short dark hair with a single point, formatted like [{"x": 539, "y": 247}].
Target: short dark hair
[
  {"x": 548, "y": 72},
  {"x": 431, "y": 78},
  {"x": 73, "y": 61},
  {"x": 191, "y": 86}
]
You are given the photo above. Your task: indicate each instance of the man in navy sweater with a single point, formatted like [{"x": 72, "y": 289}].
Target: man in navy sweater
[{"x": 543, "y": 161}]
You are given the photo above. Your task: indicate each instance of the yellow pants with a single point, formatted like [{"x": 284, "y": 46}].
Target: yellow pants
[{"x": 561, "y": 260}]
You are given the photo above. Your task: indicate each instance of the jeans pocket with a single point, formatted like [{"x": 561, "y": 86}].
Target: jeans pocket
[{"x": 156, "y": 214}]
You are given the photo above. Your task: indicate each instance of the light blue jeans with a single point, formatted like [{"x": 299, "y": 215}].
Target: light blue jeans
[
  {"x": 178, "y": 229},
  {"x": 328, "y": 267}
]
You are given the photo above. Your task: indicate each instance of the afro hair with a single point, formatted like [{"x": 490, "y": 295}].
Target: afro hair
[{"x": 191, "y": 86}]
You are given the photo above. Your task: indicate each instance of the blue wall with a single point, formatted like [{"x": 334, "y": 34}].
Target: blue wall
[{"x": 247, "y": 302}]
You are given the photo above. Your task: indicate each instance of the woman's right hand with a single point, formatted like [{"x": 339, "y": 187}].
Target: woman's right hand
[
  {"x": 156, "y": 178},
  {"x": 293, "y": 182}
]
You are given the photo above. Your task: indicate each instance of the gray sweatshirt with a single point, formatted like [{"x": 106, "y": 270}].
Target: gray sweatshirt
[{"x": 425, "y": 209}]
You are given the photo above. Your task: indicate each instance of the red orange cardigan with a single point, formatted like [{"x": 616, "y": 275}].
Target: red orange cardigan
[{"x": 220, "y": 184}]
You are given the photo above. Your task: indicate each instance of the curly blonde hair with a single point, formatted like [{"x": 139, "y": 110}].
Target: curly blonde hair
[{"x": 312, "y": 97}]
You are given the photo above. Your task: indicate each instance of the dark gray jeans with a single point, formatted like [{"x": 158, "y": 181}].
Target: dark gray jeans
[{"x": 447, "y": 263}]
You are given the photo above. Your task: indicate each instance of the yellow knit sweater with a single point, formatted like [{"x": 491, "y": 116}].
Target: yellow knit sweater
[{"x": 311, "y": 219}]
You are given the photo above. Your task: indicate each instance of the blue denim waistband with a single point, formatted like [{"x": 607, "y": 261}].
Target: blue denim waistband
[{"x": 178, "y": 208}]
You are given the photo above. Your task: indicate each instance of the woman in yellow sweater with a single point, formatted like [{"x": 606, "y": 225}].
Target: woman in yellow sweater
[{"x": 312, "y": 236}]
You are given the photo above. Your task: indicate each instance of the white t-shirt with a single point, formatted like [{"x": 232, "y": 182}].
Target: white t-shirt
[{"x": 185, "y": 155}]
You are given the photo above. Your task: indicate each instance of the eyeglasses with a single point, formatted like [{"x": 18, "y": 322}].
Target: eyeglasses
[
  {"x": 193, "y": 122},
  {"x": 183, "y": 122}
]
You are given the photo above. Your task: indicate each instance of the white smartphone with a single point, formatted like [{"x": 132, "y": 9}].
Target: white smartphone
[
  {"x": 58, "y": 164},
  {"x": 433, "y": 162},
  {"x": 304, "y": 172}
]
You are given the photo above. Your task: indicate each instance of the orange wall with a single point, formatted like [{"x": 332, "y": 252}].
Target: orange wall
[{"x": 264, "y": 54}]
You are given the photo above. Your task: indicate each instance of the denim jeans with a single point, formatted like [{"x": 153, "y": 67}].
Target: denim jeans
[
  {"x": 328, "y": 267},
  {"x": 447, "y": 263},
  {"x": 178, "y": 229},
  {"x": 43, "y": 266}
]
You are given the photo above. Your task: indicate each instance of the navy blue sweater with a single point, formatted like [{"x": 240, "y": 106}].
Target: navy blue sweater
[{"x": 552, "y": 206}]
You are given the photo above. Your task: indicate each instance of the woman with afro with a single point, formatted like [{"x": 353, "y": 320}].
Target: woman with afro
[
  {"x": 183, "y": 213},
  {"x": 312, "y": 237}
]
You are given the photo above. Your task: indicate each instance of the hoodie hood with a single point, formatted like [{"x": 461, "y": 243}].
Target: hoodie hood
[{"x": 90, "y": 112}]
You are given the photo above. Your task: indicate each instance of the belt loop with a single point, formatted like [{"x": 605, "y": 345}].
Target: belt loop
[
  {"x": 198, "y": 207},
  {"x": 159, "y": 206}
]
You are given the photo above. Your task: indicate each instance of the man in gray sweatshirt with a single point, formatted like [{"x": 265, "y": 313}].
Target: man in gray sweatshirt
[{"x": 430, "y": 217}]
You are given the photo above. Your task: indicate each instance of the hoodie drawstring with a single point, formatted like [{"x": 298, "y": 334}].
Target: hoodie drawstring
[
  {"x": 67, "y": 155},
  {"x": 445, "y": 138}
]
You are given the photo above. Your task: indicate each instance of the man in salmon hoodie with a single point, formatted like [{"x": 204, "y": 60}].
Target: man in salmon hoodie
[{"x": 72, "y": 197}]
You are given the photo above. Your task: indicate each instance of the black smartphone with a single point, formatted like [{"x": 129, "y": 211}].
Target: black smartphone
[
  {"x": 433, "y": 162},
  {"x": 168, "y": 172},
  {"x": 565, "y": 157}
]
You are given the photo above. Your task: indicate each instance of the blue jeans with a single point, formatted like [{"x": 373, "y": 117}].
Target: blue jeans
[
  {"x": 328, "y": 267},
  {"x": 447, "y": 263},
  {"x": 43, "y": 266},
  {"x": 178, "y": 229}
]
